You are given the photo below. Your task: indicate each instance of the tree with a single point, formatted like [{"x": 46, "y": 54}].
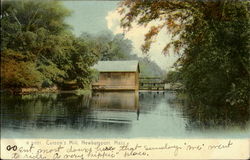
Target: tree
[
  {"x": 34, "y": 33},
  {"x": 18, "y": 73},
  {"x": 212, "y": 38},
  {"x": 149, "y": 68},
  {"x": 173, "y": 77},
  {"x": 111, "y": 47}
]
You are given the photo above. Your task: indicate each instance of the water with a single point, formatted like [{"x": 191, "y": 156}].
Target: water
[{"x": 117, "y": 115}]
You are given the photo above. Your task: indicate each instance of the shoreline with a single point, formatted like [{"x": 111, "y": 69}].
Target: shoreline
[{"x": 25, "y": 91}]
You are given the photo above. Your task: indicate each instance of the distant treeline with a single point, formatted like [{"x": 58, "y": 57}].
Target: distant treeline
[{"x": 39, "y": 50}]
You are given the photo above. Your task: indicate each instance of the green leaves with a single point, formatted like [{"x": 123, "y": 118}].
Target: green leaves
[
  {"x": 213, "y": 39},
  {"x": 38, "y": 49},
  {"x": 20, "y": 74}
]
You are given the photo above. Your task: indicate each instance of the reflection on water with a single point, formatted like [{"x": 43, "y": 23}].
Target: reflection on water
[
  {"x": 117, "y": 115},
  {"x": 122, "y": 101}
]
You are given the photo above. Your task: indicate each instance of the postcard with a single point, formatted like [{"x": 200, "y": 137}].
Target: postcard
[{"x": 125, "y": 79}]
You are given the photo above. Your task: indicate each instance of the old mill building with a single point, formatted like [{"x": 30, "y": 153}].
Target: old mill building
[{"x": 117, "y": 75}]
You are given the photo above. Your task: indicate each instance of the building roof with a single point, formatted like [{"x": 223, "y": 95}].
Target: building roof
[{"x": 117, "y": 66}]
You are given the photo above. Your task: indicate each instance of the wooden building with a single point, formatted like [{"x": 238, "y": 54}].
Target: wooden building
[{"x": 117, "y": 75}]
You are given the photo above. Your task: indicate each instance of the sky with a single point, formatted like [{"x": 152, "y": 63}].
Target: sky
[
  {"x": 89, "y": 16},
  {"x": 97, "y": 16}
]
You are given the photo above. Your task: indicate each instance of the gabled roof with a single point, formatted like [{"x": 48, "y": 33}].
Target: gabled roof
[{"x": 117, "y": 66}]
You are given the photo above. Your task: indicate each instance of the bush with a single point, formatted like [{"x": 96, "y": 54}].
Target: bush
[{"x": 20, "y": 74}]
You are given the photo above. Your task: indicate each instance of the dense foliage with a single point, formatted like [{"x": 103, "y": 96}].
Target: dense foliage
[
  {"x": 212, "y": 38},
  {"x": 37, "y": 48},
  {"x": 173, "y": 77}
]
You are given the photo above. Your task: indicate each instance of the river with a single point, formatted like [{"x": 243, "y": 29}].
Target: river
[{"x": 117, "y": 115}]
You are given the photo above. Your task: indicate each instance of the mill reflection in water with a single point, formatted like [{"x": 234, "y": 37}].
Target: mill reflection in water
[{"x": 117, "y": 115}]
